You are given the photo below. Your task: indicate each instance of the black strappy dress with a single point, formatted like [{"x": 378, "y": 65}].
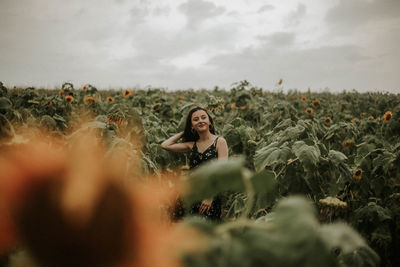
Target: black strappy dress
[{"x": 196, "y": 158}]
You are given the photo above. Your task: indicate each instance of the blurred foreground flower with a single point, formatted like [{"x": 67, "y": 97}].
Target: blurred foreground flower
[{"x": 73, "y": 207}]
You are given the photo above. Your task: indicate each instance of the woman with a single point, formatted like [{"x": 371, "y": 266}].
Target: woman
[{"x": 200, "y": 141}]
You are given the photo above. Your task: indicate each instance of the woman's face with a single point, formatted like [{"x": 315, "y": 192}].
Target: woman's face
[{"x": 200, "y": 121}]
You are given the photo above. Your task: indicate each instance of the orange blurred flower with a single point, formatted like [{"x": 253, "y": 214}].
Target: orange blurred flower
[
  {"x": 316, "y": 103},
  {"x": 353, "y": 121},
  {"x": 362, "y": 115},
  {"x": 303, "y": 99},
  {"x": 49, "y": 103},
  {"x": 309, "y": 111},
  {"x": 242, "y": 107},
  {"x": 127, "y": 93},
  {"x": 294, "y": 97},
  {"x": 84, "y": 88},
  {"x": 357, "y": 174},
  {"x": 89, "y": 99},
  {"x": 110, "y": 99},
  {"x": 69, "y": 99},
  {"x": 348, "y": 143},
  {"x": 328, "y": 121},
  {"x": 387, "y": 116},
  {"x": 61, "y": 92}
]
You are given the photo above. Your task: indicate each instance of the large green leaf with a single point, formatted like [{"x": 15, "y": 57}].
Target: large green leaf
[
  {"x": 308, "y": 155},
  {"x": 214, "y": 177},
  {"x": 271, "y": 155}
]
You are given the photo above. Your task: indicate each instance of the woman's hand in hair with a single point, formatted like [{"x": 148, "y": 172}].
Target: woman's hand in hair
[
  {"x": 171, "y": 145},
  {"x": 205, "y": 205}
]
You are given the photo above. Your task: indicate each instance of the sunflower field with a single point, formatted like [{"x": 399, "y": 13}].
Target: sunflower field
[{"x": 313, "y": 178}]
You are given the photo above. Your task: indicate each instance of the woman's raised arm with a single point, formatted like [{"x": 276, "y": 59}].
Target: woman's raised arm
[{"x": 171, "y": 145}]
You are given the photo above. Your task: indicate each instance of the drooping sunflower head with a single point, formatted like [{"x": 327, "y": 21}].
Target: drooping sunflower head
[
  {"x": 357, "y": 174},
  {"x": 316, "y": 103},
  {"x": 69, "y": 99},
  {"x": 110, "y": 99},
  {"x": 126, "y": 93},
  {"x": 387, "y": 116},
  {"x": 309, "y": 111},
  {"x": 328, "y": 121}
]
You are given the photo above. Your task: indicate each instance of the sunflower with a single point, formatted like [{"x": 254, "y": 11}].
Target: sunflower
[
  {"x": 348, "y": 143},
  {"x": 303, "y": 99},
  {"x": 242, "y": 107},
  {"x": 316, "y": 103},
  {"x": 49, "y": 103},
  {"x": 84, "y": 88},
  {"x": 69, "y": 99},
  {"x": 294, "y": 97},
  {"x": 353, "y": 121},
  {"x": 181, "y": 96},
  {"x": 127, "y": 93},
  {"x": 362, "y": 115},
  {"x": 357, "y": 174},
  {"x": 387, "y": 116},
  {"x": 181, "y": 101},
  {"x": 233, "y": 105},
  {"x": 110, "y": 99},
  {"x": 89, "y": 99},
  {"x": 61, "y": 92},
  {"x": 328, "y": 121},
  {"x": 371, "y": 118},
  {"x": 309, "y": 111}
]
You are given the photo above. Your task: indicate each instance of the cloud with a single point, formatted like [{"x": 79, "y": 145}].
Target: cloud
[
  {"x": 197, "y": 11},
  {"x": 294, "y": 18},
  {"x": 278, "y": 39},
  {"x": 356, "y": 13},
  {"x": 265, "y": 8}
]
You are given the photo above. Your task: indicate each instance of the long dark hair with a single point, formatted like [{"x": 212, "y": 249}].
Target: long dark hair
[{"x": 188, "y": 135}]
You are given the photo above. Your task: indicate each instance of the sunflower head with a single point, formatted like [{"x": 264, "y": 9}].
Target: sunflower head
[
  {"x": 387, "y": 116},
  {"x": 233, "y": 105},
  {"x": 69, "y": 99},
  {"x": 89, "y": 100},
  {"x": 126, "y": 93},
  {"x": 357, "y": 174},
  {"x": 49, "y": 103},
  {"x": 316, "y": 103},
  {"x": 110, "y": 99},
  {"x": 61, "y": 92},
  {"x": 371, "y": 118},
  {"x": 303, "y": 99},
  {"x": 328, "y": 121},
  {"x": 309, "y": 111},
  {"x": 362, "y": 115},
  {"x": 242, "y": 107},
  {"x": 353, "y": 121},
  {"x": 84, "y": 88},
  {"x": 348, "y": 143}
]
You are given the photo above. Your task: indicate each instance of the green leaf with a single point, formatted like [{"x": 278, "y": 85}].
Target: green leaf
[
  {"x": 308, "y": 155},
  {"x": 336, "y": 156},
  {"x": 5, "y": 104},
  {"x": 271, "y": 155},
  {"x": 214, "y": 177},
  {"x": 263, "y": 181}
]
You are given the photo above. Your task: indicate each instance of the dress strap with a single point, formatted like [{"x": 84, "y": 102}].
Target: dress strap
[{"x": 215, "y": 141}]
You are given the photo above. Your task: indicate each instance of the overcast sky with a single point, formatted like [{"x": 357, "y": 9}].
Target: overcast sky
[{"x": 181, "y": 44}]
